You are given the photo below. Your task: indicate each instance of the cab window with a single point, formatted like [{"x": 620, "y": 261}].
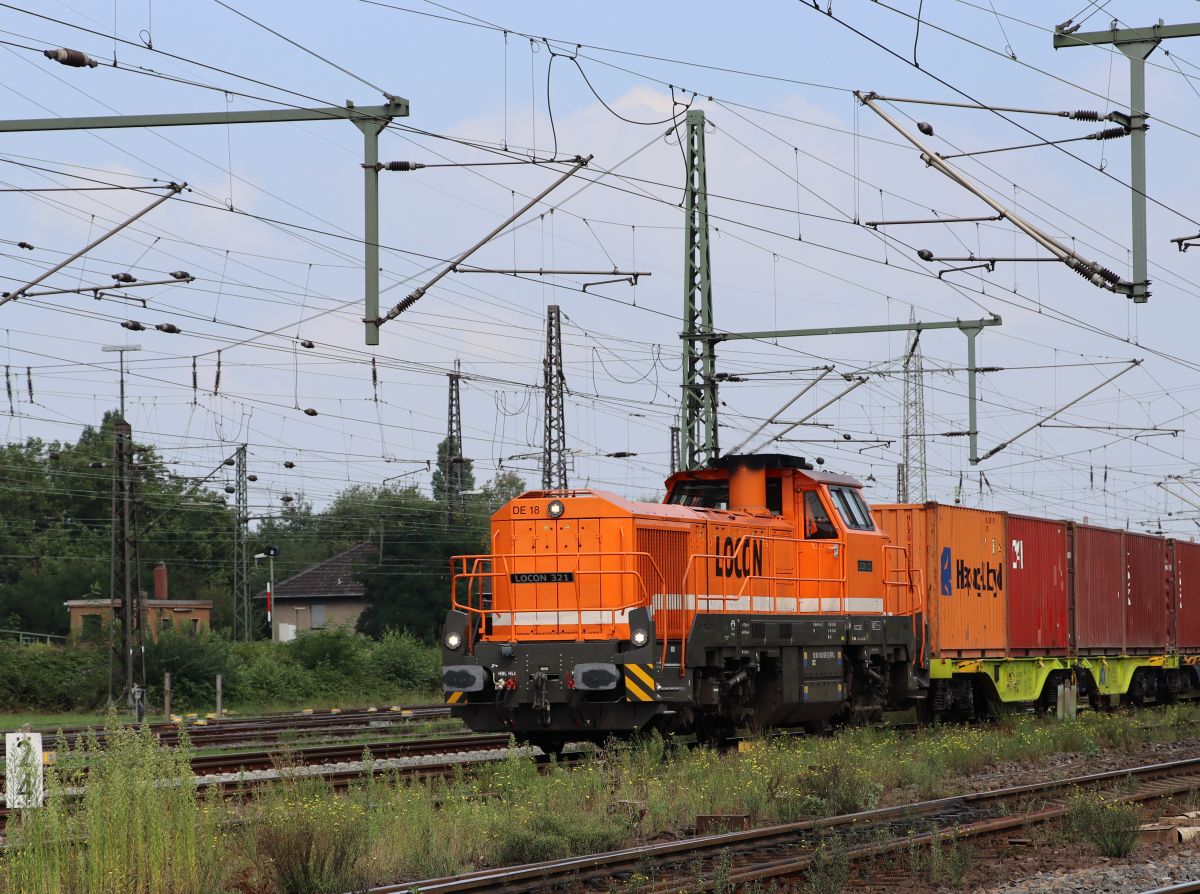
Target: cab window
[
  {"x": 851, "y": 508},
  {"x": 817, "y": 524},
  {"x": 701, "y": 494}
]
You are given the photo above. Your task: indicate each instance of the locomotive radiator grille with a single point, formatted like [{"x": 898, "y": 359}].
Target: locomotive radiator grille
[{"x": 661, "y": 562}]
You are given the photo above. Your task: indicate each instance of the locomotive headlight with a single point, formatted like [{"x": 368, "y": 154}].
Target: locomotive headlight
[
  {"x": 556, "y": 508},
  {"x": 453, "y": 640},
  {"x": 639, "y": 637}
]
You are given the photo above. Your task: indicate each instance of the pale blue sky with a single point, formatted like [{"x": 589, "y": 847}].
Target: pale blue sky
[{"x": 779, "y": 75}]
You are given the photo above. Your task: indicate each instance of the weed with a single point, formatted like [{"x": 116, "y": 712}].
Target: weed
[
  {"x": 310, "y": 840},
  {"x": 829, "y": 872},
  {"x": 721, "y": 882},
  {"x": 1108, "y": 825}
]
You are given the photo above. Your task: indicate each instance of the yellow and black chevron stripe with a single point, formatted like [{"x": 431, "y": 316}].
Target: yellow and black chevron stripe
[
  {"x": 453, "y": 698},
  {"x": 639, "y": 683}
]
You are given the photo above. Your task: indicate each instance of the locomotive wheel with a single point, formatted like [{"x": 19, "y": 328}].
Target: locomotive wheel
[{"x": 551, "y": 745}]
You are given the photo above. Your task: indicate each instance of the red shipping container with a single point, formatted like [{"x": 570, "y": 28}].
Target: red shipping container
[
  {"x": 1038, "y": 592},
  {"x": 1148, "y": 599},
  {"x": 1187, "y": 595},
  {"x": 1099, "y": 587}
]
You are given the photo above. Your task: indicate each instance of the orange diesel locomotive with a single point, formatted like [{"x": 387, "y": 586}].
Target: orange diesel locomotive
[{"x": 758, "y": 593}]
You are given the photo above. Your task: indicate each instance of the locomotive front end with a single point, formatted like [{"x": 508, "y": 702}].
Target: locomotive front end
[{"x": 551, "y": 634}]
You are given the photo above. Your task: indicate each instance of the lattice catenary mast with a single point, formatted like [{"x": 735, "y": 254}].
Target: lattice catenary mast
[
  {"x": 241, "y": 550},
  {"x": 913, "y": 482},
  {"x": 698, "y": 415}
]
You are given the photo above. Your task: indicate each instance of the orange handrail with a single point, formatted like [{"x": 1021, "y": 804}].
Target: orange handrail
[
  {"x": 475, "y": 573},
  {"x": 836, "y": 546}
]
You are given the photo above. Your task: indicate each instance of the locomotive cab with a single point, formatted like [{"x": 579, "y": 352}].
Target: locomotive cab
[{"x": 759, "y": 592}]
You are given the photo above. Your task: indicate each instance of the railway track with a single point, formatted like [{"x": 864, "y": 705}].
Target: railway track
[
  {"x": 739, "y": 858},
  {"x": 1192, "y": 887},
  {"x": 204, "y": 733},
  {"x": 341, "y": 765}
]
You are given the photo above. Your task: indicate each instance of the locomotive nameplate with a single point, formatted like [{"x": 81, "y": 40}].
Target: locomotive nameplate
[{"x": 543, "y": 577}]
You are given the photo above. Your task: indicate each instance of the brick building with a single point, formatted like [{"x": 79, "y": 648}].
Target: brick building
[{"x": 90, "y": 617}]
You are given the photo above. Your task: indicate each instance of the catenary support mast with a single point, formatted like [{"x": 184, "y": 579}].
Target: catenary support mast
[{"x": 699, "y": 441}]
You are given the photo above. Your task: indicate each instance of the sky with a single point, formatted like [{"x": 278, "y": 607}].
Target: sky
[{"x": 271, "y": 227}]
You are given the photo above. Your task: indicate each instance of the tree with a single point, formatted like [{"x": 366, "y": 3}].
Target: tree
[
  {"x": 55, "y": 536},
  {"x": 411, "y": 589},
  {"x": 441, "y": 474}
]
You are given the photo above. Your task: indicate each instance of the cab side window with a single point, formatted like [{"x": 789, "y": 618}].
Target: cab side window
[{"x": 817, "y": 525}]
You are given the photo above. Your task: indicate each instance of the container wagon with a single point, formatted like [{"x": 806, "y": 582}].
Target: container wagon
[{"x": 1097, "y": 607}]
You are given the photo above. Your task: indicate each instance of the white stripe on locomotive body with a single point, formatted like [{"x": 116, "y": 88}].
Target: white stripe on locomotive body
[{"x": 708, "y": 603}]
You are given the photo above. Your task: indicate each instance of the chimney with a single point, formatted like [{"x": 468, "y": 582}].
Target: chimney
[
  {"x": 160, "y": 581},
  {"x": 748, "y": 485}
]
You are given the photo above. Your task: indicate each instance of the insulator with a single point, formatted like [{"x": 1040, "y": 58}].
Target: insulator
[
  {"x": 25, "y": 245},
  {"x": 124, "y": 277},
  {"x": 180, "y": 274},
  {"x": 1109, "y": 133},
  {"x": 251, "y": 477},
  {"x": 168, "y": 327},
  {"x": 29, "y": 381},
  {"x": 403, "y": 166},
  {"x": 286, "y": 498},
  {"x": 405, "y": 304},
  {"x": 310, "y": 412},
  {"x": 230, "y": 461},
  {"x": 307, "y": 344},
  {"x": 54, "y": 454},
  {"x": 73, "y": 58},
  {"x": 288, "y": 464},
  {"x": 133, "y": 325},
  {"x": 925, "y": 127},
  {"x": 96, "y": 465},
  {"x": 1084, "y": 115},
  {"x": 229, "y": 488},
  {"x": 217, "y": 377},
  {"x": 1087, "y": 271},
  {"x": 925, "y": 254}
]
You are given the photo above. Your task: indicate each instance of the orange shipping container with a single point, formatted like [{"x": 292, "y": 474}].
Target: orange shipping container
[{"x": 960, "y": 553}]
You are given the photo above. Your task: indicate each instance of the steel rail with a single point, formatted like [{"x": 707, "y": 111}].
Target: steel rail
[{"x": 1160, "y": 779}]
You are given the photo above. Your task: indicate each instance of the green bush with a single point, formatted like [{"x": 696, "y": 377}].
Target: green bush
[
  {"x": 336, "y": 648},
  {"x": 409, "y": 663},
  {"x": 193, "y": 662},
  {"x": 334, "y": 666},
  {"x": 52, "y": 678}
]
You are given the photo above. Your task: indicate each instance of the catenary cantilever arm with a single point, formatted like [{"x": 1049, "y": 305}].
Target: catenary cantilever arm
[
  {"x": 414, "y": 296},
  {"x": 173, "y": 189}
]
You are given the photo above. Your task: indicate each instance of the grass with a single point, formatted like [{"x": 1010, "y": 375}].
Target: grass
[{"x": 304, "y": 836}]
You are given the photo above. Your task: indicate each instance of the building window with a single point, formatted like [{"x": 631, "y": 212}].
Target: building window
[
  {"x": 194, "y": 628},
  {"x": 166, "y": 623},
  {"x": 317, "y": 615},
  {"x": 90, "y": 626}
]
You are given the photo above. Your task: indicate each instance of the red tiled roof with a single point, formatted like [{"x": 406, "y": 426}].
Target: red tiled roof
[{"x": 334, "y": 578}]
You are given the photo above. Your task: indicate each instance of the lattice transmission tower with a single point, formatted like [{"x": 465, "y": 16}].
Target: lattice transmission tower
[
  {"x": 454, "y": 449},
  {"x": 554, "y": 446}
]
